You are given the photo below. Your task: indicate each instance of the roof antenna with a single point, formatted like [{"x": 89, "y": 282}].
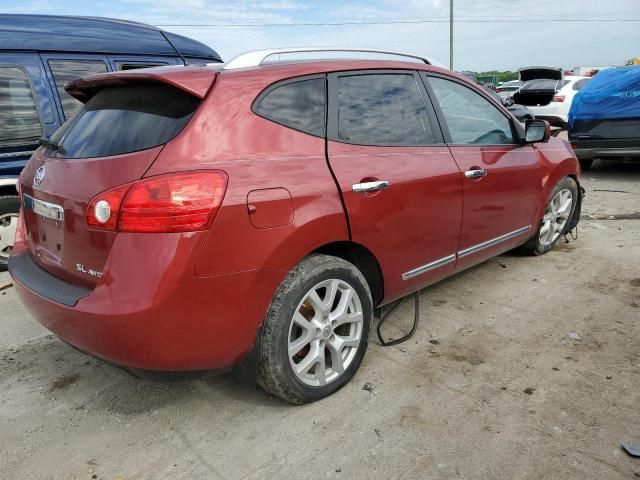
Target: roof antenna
[{"x": 184, "y": 60}]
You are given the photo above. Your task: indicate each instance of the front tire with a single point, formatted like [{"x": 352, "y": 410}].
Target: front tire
[
  {"x": 557, "y": 216},
  {"x": 316, "y": 331},
  {"x": 9, "y": 211}
]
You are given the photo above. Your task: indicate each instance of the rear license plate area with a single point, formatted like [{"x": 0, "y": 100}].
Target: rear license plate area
[{"x": 50, "y": 228}]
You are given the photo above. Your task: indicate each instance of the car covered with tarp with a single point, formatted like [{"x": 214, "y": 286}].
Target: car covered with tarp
[{"x": 604, "y": 120}]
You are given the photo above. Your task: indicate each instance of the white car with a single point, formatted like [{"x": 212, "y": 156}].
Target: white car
[{"x": 548, "y": 93}]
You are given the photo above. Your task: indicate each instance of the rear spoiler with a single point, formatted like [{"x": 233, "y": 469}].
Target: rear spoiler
[{"x": 195, "y": 81}]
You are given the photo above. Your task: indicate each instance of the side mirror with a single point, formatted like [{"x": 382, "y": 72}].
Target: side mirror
[
  {"x": 536, "y": 131},
  {"x": 507, "y": 102}
]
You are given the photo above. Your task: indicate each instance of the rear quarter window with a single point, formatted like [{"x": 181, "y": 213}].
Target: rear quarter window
[
  {"x": 299, "y": 104},
  {"x": 123, "y": 119}
]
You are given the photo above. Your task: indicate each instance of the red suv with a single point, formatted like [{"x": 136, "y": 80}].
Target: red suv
[{"x": 190, "y": 218}]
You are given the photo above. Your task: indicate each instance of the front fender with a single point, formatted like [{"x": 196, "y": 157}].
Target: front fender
[{"x": 557, "y": 161}]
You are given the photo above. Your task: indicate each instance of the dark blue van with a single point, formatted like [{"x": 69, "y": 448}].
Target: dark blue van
[{"x": 39, "y": 54}]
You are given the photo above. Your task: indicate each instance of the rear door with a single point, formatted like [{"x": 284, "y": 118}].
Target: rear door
[
  {"x": 399, "y": 182},
  {"x": 501, "y": 177}
]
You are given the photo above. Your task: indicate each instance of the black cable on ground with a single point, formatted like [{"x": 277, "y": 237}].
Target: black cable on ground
[{"x": 416, "y": 319}]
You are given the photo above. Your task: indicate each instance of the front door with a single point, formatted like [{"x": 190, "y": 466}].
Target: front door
[
  {"x": 400, "y": 184},
  {"x": 501, "y": 177}
]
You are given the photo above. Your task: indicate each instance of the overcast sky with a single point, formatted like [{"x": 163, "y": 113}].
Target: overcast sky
[{"x": 481, "y": 43}]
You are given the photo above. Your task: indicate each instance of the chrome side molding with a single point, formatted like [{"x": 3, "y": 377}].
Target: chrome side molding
[
  {"x": 494, "y": 241},
  {"x": 463, "y": 253},
  {"x": 429, "y": 266}
]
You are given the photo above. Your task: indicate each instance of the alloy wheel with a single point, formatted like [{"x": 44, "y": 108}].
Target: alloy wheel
[
  {"x": 556, "y": 216},
  {"x": 325, "y": 332}
]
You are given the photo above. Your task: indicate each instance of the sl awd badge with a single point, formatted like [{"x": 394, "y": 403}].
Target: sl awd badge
[
  {"x": 39, "y": 176},
  {"x": 89, "y": 271}
]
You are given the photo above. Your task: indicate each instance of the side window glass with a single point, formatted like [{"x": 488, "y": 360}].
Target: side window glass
[
  {"x": 299, "y": 105},
  {"x": 19, "y": 121},
  {"x": 382, "y": 109},
  {"x": 66, "y": 70},
  {"x": 471, "y": 118}
]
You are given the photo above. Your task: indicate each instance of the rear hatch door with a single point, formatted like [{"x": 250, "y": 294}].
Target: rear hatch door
[
  {"x": 533, "y": 73},
  {"x": 112, "y": 141},
  {"x": 539, "y": 85}
]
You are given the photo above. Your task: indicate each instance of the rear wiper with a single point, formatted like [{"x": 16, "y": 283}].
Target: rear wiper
[{"x": 50, "y": 144}]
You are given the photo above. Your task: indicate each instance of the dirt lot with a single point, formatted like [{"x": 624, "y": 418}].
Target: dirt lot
[{"x": 522, "y": 368}]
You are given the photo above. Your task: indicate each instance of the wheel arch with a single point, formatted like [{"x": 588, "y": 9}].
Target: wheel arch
[{"x": 363, "y": 259}]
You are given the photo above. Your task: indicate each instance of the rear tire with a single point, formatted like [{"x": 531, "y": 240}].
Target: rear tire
[
  {"x": 557, "y": 216},
  {"x": 316, "y": 331},
  {"x": 586, "y": 164},
  {"x": 9, "y": 211}
]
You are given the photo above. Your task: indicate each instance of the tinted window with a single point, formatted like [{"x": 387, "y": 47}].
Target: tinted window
[
  {"x": 471, "y": 118},
  {"x": 124, "y": 119},
  {"x": 19, "y": 122},
  {"x": 66, "y": 70},
  {"x": 136, "y": 66},
  {"x": 299, "y": 105},
  {"x": 382, "y": 109},
  {"x": 580, "y": 83}
]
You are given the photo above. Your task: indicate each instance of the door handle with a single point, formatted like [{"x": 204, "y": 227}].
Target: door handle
[
  {"x": 370, "y": 186},
  {"x": 475, "y": 173}
]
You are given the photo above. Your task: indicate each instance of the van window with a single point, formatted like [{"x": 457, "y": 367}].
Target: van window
[
  {"x": 19, "y": 121},
  {"x": 66, "y": 70},
  {"x": 135, "y": 66},
  {"x": 299, "y": 105},
  {"x": 123, "y": 119}
]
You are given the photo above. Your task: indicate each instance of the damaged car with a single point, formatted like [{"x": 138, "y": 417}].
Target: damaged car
[{"x": 258, "y": 214}]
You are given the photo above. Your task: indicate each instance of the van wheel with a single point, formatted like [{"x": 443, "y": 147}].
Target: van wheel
[
  {"x": 586, "y": 164},
  {"x": 557, "y": 214},
  {"x": 316, "y": 331},
  {"x": 9, "y": 210}
]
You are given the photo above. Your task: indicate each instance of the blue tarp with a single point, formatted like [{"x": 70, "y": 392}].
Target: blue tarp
[{"x": 613, "y": 93}]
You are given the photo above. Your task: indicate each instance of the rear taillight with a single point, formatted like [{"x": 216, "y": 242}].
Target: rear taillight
[
  {"x": 559, "y": 98},
  {"x": 179, "y": 202}
]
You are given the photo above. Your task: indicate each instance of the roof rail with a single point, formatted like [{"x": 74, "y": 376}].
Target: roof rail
[{"x": 257, "y": 57}]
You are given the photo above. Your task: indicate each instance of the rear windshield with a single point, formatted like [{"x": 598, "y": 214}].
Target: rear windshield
[{"x": 123, "y": 119}]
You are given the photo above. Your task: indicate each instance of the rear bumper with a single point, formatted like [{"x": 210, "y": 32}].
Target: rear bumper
[{"x": 152, "y": 312}]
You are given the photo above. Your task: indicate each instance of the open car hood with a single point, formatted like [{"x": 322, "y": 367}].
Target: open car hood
[
  {"x": 533, "y": 73},
  {"x": 194, "y": 80}
]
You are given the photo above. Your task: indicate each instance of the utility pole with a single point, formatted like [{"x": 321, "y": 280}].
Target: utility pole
[{"x": 450, "y": 34}]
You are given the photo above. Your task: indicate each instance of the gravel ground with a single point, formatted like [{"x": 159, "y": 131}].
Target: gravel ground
[{"x": 522, "y": 368}]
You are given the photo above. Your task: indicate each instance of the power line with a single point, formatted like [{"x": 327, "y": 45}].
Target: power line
[{"x": 403, "y": 22}]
